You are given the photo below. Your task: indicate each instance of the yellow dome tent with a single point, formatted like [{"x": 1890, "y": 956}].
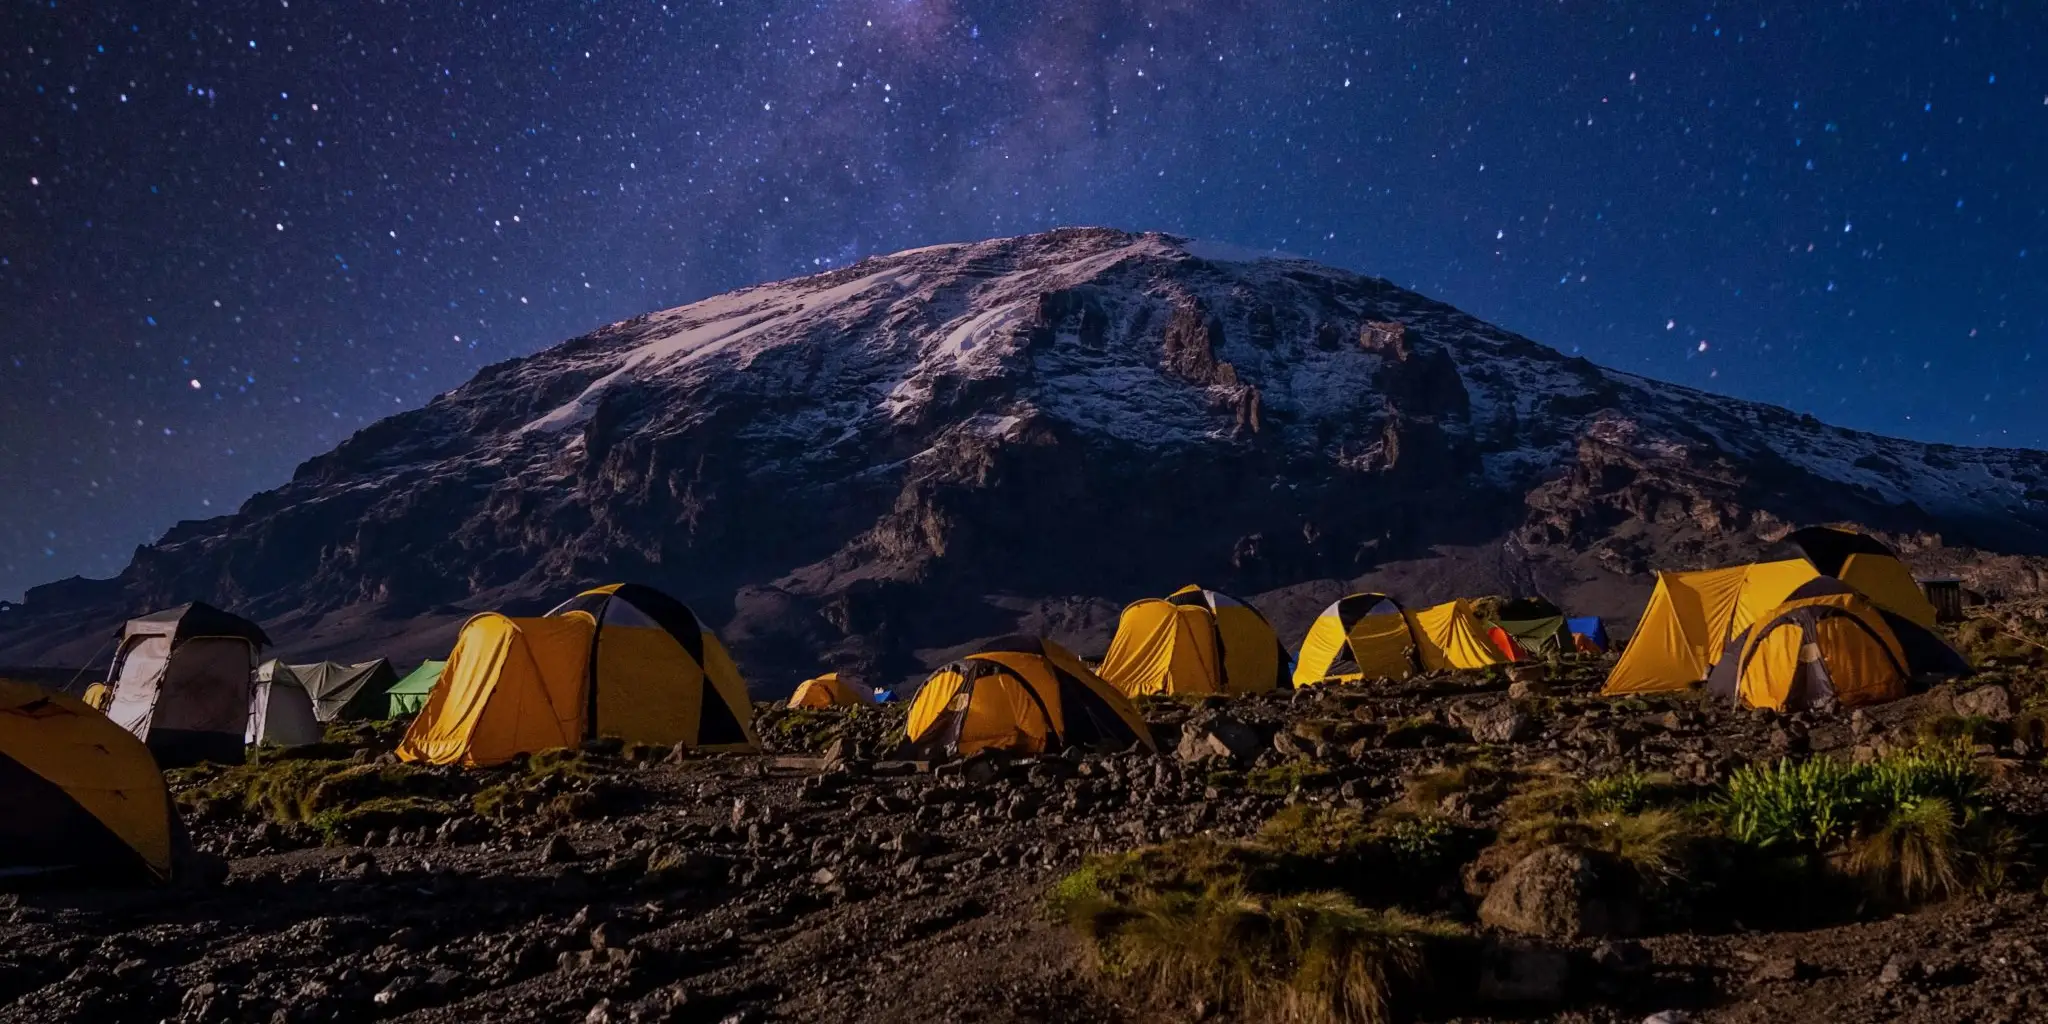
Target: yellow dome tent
[
  {"x": 78, "y": 793},
  {"x": 1024, "y": 695},
  {"x": 1867, "y": 564},
  {"x": 624, "y": 661},
  {"x": 1196, "y": 641},
  {"x": 1825, "y": 642},
  {"x": 1692, "y": 616},
  {"x": 1370, "y": 636},
  {"x": 828, "y": 691}
]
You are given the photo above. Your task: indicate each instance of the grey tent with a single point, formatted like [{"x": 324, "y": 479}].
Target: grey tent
[
  {"x": 280, "y": 709},
  {"x": 181, "y": 682},
  {"x": 347, "y": 691}
]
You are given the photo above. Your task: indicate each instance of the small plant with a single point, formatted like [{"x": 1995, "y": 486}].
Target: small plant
[
  {"x": 1427, "y": 790},
  {"x": 1955, "y": 730},
  {"x": 1628, "y": 791}
]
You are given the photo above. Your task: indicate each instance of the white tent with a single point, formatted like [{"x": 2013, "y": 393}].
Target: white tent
[{"x": 280, "y": 711}]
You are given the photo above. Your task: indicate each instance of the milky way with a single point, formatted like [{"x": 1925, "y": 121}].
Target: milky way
[{"x": 230, "y": 235}]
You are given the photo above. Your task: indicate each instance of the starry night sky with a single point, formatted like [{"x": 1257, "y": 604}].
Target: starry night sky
[{"x": 233, "y": 233}]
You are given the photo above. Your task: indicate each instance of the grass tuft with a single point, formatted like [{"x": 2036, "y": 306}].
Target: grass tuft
[{"x": 1310, "y": 958}]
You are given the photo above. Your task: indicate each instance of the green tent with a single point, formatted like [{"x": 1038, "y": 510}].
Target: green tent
[
  {"x": 1536, "y": 624},
  {"x": 407, "y": 696}
]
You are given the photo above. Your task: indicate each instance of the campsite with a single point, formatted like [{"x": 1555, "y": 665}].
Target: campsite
[{"x": 588, "y": 817}]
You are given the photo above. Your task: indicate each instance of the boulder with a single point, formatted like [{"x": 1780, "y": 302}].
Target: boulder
[
  {"x": 1495, "y": 722},
  {"x": 1993, "y": 702},
  {"x": 1559, "y": 892},
  {"x": 1218, "y": 738}
]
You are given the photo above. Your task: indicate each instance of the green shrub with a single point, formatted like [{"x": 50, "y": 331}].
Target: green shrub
[{"x": 1911, "y": 826}]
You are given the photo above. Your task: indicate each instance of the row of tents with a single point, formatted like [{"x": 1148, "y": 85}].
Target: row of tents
[
  {"x": 1844, "y": 621},
  {"x": 187, "y": 682}
]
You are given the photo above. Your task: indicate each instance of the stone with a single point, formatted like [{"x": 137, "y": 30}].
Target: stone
[
  {"x": 557, "y": 850},
  {"x": 1993, "y": 702},
  {"x": 1288, "y": 745},
  {"x": 1895, "y": 970},
  {"x": 1528, "y": 689},
  {"x": 1493, "y": 723},
  {"x": 1560, "y": 893},
  {"x": 1219, "y": 738},
  {"x": 1783, "y": 968}
]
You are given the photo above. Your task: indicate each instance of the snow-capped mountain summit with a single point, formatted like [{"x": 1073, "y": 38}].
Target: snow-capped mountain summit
[{"x": 885, "y": 461}]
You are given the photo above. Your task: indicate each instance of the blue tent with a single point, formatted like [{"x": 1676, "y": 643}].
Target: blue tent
[{"x": 1590, "y": 627}]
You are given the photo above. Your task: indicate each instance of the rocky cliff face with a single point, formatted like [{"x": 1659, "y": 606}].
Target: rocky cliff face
[{"x": 879, "y": 463}]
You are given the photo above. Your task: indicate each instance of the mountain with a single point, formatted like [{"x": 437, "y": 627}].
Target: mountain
[{"x": 874, "y": 466}]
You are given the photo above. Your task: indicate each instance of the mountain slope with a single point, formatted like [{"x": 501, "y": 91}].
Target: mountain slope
[{"x": 874, "y": 465}]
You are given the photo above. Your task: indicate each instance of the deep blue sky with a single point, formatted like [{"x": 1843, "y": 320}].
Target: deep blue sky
[{"x": 231, "y": 234}]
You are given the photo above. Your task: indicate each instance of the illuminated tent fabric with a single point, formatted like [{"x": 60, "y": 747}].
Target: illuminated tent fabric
[
  {"x": 1692, "y": 616},
  {"x": 408, "y": 695},
  {"x": 1370, "y": 636},
  {"x": 280, "y": 710},
  {"x": 1359, "y": 636},
  {"x": 1505, "y": 644},
  {"x": 97, "y": 697},
  {"x": 1196, "y": 641},
  {"x": 622, "y": 661},
  {"x": 1589, "y": 634},
  {"x": 181, "y": 683},
  {"x": 1451, "y": 636},
  {"x": 1024, "y": 695},
  {"x": 1867, "y": 564},
  {"x": 1826, "y": 642},
  {"x": 828, "y": 691},
  {"x": 1537, "y": 626},
  {"x": 78, "y": 794}
]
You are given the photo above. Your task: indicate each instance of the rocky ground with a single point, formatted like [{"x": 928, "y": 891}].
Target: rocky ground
[{"x": 822, "y": 882}]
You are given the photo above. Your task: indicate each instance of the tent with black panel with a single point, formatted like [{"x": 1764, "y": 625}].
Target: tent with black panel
[
  {"x": 1866, "y": 563},
  {"x": 1024, "y": 695},
  {"x": 1691, "y": 617},
  {"x": 1828, "y": 643},
  {"x": 181, "y": 683},
  {"x": 81, "y": 800},
  {"x": 1536, "y": 625},
  {"x": 1194, "y": 641},
  {"x": 623, "y": 661},
  {"x": 1370, "y": 636}
]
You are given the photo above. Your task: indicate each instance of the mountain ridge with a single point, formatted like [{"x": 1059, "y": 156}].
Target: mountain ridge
[{"x": 875, "y": 465}]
